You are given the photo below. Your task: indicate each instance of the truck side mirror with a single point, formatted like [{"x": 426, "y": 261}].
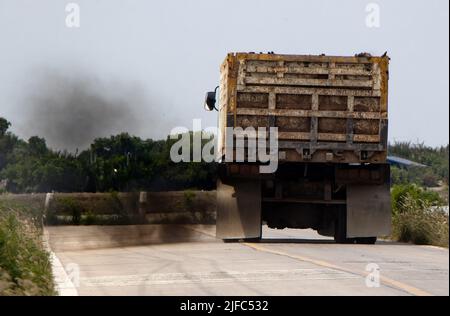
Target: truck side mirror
[{"x": 210, "y": 100}]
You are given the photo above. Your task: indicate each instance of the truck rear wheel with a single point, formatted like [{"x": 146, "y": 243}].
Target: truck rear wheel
[
  {"x": 230, "y": 241},
  {"x": 340, "y": 228},
  {"x": 366, "y": 240}
]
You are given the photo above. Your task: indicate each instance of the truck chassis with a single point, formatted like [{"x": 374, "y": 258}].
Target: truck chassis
[{"x": 349, "y": 202}]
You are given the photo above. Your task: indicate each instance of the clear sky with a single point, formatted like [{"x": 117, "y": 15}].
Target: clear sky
[{"x": 144, "y": 66}]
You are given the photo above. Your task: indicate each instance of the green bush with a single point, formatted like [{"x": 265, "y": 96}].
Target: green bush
[
  {"x": 121, "y": 215},
  {"x": 70, "y": 207},
  {"x": 417, "y": 217},
  {"x": 418, "y": 222},
  {"x": 90, "y": 219},
  {"x": 25, "y": 267},
  {"x": 402, "y": 191}
]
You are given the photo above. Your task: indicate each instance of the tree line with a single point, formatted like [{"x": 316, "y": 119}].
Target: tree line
[
  {"x": 128, "y": 163},
  {"x": 118, "y": 163},
  {"x": 436, "y": 161}
]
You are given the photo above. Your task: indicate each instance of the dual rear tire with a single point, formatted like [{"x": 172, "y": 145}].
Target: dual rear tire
[
  {"x": 357, "y": 240},
  {"x": 251, "y": 240}
]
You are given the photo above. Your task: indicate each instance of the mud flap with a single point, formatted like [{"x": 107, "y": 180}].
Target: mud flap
[
  {"x": 238, "y": 209},
  {"x": 368, "y": 210}
]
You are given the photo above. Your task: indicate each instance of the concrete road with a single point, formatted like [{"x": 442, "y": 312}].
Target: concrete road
[{"x": 188, "y": 260}]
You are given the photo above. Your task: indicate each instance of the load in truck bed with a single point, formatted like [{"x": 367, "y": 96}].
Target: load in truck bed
[{"x": 327, "y": 109}]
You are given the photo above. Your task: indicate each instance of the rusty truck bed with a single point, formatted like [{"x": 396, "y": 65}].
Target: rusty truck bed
[{"x": 326, "y": 108}]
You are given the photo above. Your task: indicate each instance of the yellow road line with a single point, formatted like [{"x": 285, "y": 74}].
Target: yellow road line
[{"x": 387, "y": 281}]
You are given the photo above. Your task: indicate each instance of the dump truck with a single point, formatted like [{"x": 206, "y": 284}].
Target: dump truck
[{"x": 331, "y": 118}]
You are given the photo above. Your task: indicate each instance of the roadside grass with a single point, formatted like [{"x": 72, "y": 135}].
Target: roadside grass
[
  {"x": 25, "y": 267},
  {"x": 417, "y": 216}
]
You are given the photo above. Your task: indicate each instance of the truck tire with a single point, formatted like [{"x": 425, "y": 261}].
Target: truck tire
[
  {"x": 340, "y": 229},
  {"x": 252, "y": 240},
  {"x": 366, "y": 240},
  {"x": 230, "y": 241}
]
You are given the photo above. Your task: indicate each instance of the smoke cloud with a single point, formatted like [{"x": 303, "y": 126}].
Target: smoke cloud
[{"x": 71, "y": 111}]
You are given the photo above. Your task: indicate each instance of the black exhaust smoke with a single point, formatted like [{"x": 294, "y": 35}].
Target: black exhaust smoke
[{"x": 70, "y": 112}]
